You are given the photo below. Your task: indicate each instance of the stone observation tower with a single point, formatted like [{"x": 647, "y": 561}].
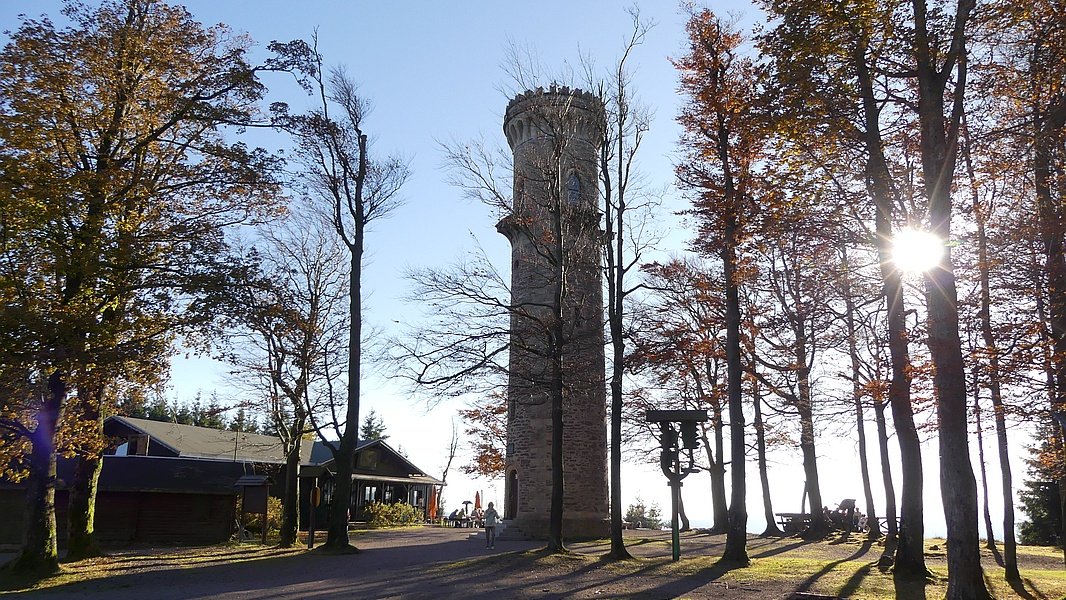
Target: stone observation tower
[{"x": 556, "y": 136}]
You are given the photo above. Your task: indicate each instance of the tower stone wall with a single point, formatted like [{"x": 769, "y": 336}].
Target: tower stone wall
[{"x": 556, "y": 136}]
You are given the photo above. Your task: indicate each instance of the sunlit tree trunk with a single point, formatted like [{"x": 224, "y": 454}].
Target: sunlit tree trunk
[
  {"x": 994, "y": 375},
  {"x": 764, "y": 477},
  {"x": 990, "y": 539},
  {"x": 938, "y": 144},
  {"x": 290, "y": 516},
  {"x": 857, "y": 394},
  {"x": 81, "y": 541},
  {"x": 892, "y": 535}
]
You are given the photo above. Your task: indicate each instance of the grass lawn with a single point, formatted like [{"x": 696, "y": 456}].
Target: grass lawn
[{"x": 779, "y": 567}]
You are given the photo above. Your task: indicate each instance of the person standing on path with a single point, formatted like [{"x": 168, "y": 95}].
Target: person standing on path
[{"x": 491, "y": 519}]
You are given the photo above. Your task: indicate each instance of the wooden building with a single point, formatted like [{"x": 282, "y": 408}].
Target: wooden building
[
  {"x": 142, "y": 499},
  {"x": 166, "y": 482},
  {"x": 380, "y": 474}
]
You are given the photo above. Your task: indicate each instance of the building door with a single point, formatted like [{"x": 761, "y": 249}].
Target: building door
[{"x": 510, "y": 510}]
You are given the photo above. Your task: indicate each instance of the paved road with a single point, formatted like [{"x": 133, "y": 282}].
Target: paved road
[{"x": 420, "y": 563}]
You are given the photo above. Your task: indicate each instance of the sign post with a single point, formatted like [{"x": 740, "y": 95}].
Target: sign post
[
  {"x": 674, "y": 446},
  {"x": 316, "y": 499}
]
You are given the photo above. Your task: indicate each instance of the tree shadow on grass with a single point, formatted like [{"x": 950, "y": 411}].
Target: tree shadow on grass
[
  {"x": 995, "y": 554},
  {"x": 782, "y": 549},
  {"x": 1025, "y": 589},
  {"x": 677, "y": 587},
  {"x": 909, "y": 587},
  {"x": 828, "y": 568},
  {"x": 852, "y": 584}
]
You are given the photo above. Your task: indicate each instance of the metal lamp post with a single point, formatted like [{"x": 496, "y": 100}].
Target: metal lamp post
[{"x": 673, "y": 447}]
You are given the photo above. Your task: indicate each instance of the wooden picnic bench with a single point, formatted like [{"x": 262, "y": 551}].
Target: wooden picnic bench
[{"x": 793, "y": 522}]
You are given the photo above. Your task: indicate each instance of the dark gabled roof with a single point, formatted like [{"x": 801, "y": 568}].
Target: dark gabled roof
[
  {"x": 321, "y": 454},
  {"x": 191, "y": 442},
  {"x": 411, "y": 472},
  {"x": 201, "y": 442}
]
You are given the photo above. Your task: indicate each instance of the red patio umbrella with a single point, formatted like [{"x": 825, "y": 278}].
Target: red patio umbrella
[
  {"x": 432, "y": 512},
  {"x": 477, "y": 500}
]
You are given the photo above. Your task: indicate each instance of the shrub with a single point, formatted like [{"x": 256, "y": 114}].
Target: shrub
[
  {"x": 642, "y": 516},
  {"x": 253, "y": 520},
  {"x": 391, "y": 515}
]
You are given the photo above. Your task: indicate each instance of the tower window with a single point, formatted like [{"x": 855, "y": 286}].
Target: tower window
[{"x": 573, "y": 189}]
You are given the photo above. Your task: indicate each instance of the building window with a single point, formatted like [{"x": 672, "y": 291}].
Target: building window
[
  {"x": 370, "y": 494},
  {"x": 573, "y": 189}
]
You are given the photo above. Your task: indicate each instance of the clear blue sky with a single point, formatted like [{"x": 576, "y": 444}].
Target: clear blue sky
[{"x": 433, "y": 71}]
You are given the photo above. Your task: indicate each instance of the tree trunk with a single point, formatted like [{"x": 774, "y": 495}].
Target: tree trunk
[
  {"x": 718, "y": 495},
  {"x": 555, "y": 516},
  {"x": 1010, "y": 544},
  {"x": 764, "y": 477},
  {"x": 555, "y": 356},
  {"x": 81, "y": 541},
  {"x": 290, "y": 507},
  {"x": 39, "y": 555},
  {"x": 81, "y": 511},
  {"x": 892, "y": 536},
  {"x": 957, "y": 483},
  {"x": 685, "y": 525},
  {"x": 337, "y": 531},
  {"x": 990, "y": 539},
  {"x": 1049, "y": 368},
  {"x": 819, "y": 526},
  {"x": 716, "y": 471},
  {"x": 1047, "y": 132},
  {"x": 736, "y": 549},
  {"x": 938, "y": 144},
  {"x": 856, "y": 393},
  {"x": 910, "y": 552},
  {"x": 618, "y": 546},
  {"x": 615, "y": 293},
  {"x": 715, "y": 456}
]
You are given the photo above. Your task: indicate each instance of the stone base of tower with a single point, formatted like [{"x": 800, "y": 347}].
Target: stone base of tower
[{"x": 576, "y": 528}]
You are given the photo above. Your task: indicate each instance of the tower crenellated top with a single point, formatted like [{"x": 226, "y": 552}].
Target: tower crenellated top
[{"x": 559, "y": 109}]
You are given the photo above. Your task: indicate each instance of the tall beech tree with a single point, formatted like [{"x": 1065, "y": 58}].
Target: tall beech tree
[
  {"x": 721, "y": 145},
  {"x": 939, "y": 55},
  {"x": 1027, "y": 75},
  {"x": 352, "y": 189},
  {"x": 625, "y": 124},
  {"x": 990, "y": 361},
  {"x": 850, "y": 291},
  {"x": 119, "y": 181},
  {"x": 831, "y": 67}
]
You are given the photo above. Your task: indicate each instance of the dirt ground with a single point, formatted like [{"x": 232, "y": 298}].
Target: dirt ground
[{"x": 431, "y": 562}]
